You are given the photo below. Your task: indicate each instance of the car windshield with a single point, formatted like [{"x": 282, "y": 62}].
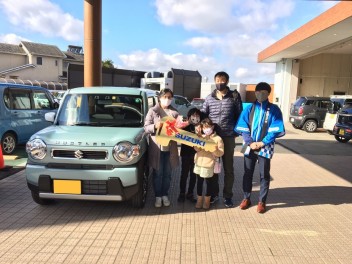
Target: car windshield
[{"x": 103, "y": 110}]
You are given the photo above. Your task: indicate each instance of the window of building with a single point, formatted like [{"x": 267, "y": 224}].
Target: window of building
[
  {"x": 39, "y": 61},
  {"x": 56, "y": 63}
]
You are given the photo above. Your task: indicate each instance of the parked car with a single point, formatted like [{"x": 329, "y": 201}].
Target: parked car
[
  {"x": 95, "y": 149},
  {"x": 309, "y": 112},
  {"x": 181, "y": 104},
  {"x": 343, "y": 127},
  {"x": 22, "y": 110},
  {"x": 197, "y": 102},
  {"x": 338, "y": 101},
  {"x": 58, "y": 94}
]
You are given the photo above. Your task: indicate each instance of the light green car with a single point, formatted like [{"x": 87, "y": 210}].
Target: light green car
[{"x": 96, "y": 148}]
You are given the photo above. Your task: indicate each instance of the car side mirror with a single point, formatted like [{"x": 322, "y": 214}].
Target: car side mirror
[{"x": 50, "y": 116}]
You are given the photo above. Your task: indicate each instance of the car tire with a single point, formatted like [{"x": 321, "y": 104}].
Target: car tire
[
  {"x": 296, "y": 127},
  {"x": 38, "y": 200},
  {"x": 310, "y": 126},
  {"x": 342, "y": 139},
  {"x": 8, "y": 143},
  {"x": 139, "y": 199}
]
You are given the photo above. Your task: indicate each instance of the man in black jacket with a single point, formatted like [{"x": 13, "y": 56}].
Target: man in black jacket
[{"x": 224, "y": 107}]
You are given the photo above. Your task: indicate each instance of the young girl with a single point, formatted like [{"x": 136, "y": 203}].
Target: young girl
[
  {"x": 187, "y": 156},
  {"x": 204, "y": 164}
]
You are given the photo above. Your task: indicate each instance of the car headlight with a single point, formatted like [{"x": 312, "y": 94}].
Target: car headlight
[
  {"x": 36, "y": 148},
  {"x": 125, "y": 151}
]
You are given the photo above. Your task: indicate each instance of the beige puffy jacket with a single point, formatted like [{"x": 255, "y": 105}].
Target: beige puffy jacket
[{"x": 205, "y": 158}]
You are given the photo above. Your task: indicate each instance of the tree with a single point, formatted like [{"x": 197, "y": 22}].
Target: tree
[{"x": 108, "y": 64}]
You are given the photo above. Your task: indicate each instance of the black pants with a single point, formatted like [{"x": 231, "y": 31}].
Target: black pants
[
  {"x": 210, "y": 188},
  {"x": 227, "y": 161},
  {"x": 187, "y": 168},
  {"x": 264, "y": 172}
]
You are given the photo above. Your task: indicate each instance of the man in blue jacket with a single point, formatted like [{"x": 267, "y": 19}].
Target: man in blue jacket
[
  {"x": 259, "y": 125},
  {"x": 223, "y": 107}
]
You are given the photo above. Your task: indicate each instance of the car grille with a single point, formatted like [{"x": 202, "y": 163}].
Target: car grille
[
  {"x": 79, "y": 166},
  {"x": 94, "y": 187},
  {"x": 79, "y": 154}
]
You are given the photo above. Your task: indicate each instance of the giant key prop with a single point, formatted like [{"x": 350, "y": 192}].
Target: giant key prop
[{"x": 168, "y": 131}]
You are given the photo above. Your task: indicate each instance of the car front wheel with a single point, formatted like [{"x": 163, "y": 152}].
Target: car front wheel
[
  {"x": 342, "y": 139},
  {"x": 8, "y": 143},
  {"x": 310, "y": 126},
  {"x": 139, "y": 199}
]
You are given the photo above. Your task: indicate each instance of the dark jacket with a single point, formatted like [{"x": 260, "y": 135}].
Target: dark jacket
[
  {"x": 224, "y": 113},
  {"x": 185, "y": 149}
]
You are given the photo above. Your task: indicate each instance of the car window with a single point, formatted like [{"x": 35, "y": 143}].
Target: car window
[
  {"x": 41, "y": 100},
  {"x": 101, "y": 110},
  {"x": 300, "y": 101},
  {"x": 325, "y": 104},
  {"x": 20, "y": 99},
  {"x": 180, "y": 100}
]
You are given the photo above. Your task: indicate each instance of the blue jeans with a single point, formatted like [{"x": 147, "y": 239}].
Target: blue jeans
[
  {"x": 264, "y": 172},
  {"x": 162, "y": 177}
]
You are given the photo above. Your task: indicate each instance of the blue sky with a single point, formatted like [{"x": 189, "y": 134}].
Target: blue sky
[{"x": 157, "y": 35}]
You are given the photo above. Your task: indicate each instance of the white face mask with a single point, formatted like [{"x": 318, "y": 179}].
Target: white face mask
[
  {"x": 165, "y": 101},
  {"x": 208, "y": 131},
  {"x": 262, "y": 96},
  {"x": 194, "y": 119}
]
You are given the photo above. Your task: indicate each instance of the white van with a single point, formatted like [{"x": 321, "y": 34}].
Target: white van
[{"x": 338, "y": 102}]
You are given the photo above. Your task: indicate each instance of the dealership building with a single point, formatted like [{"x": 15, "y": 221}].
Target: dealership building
[{"x": 315, "y": 59}]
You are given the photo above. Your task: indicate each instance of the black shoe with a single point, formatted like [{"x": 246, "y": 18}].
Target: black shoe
[
  {"x": 228, "y": 202},
  {"x": 191, "y": 198},
  {"x": 214, "y": 199},
  {"x": 181, "y": 198}
]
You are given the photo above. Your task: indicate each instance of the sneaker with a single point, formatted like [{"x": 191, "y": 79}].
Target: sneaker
[
  {"x": 157, "y": 202},
  {"x": 245, "y": 204},
  {"x": 181, "y": 198},
  {"x": 191, "y": 198},
  {"x": 166, "y": 201},
  {"x": 214, "y": 199},
  {"x": 261, "y": 208},
  {"x": 228, "y": 202}
]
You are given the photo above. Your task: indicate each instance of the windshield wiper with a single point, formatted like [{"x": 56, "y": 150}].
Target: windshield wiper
[{"x": 85, "y": 124}]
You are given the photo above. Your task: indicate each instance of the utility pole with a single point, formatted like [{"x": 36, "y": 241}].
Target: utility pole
[{"x": 92, "y": 43}]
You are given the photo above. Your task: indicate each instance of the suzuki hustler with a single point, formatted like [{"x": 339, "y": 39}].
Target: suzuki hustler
[{"x": 95, "y": 149}]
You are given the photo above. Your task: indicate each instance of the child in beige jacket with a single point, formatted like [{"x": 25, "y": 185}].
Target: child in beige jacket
[{"x": 204, "y": 162}]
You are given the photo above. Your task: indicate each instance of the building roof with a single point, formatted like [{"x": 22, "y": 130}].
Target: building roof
[
  {"x": 42, "y": 49},
  {"x": 330, "y": 32},
  {"x": 11, "y": 49},
  {"x": 71, "y": 56}
]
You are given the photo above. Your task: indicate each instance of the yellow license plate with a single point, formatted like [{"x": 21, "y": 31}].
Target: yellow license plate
[
  {"x": 67, "y": 186},
  {"x": 342, "y": 132}
]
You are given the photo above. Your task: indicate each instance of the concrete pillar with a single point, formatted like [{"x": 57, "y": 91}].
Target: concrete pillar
[{"x": 92, "y": 42}]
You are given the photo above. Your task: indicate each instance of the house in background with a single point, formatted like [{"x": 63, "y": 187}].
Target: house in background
[{"x": 37, "y": 64}]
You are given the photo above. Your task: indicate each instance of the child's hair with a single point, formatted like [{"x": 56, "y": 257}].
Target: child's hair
[
  {"x": 193, "y": 111},
  {"x": 206, "y": 122}
]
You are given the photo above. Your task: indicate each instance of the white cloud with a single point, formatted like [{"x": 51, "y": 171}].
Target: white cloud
[
  {"x": 11, "y": 38},
  {"x": 204, "y": 16},
  {"x": 44, "y": 17},
  {"x": 214, "y": 17},
  {"x": 155, "y": 60}
]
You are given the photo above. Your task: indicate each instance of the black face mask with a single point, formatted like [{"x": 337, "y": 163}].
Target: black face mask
[{"x": 221, "y": 86}]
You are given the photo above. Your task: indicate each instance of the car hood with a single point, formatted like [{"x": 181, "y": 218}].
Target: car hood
[{"x": 89, "y": 136}]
